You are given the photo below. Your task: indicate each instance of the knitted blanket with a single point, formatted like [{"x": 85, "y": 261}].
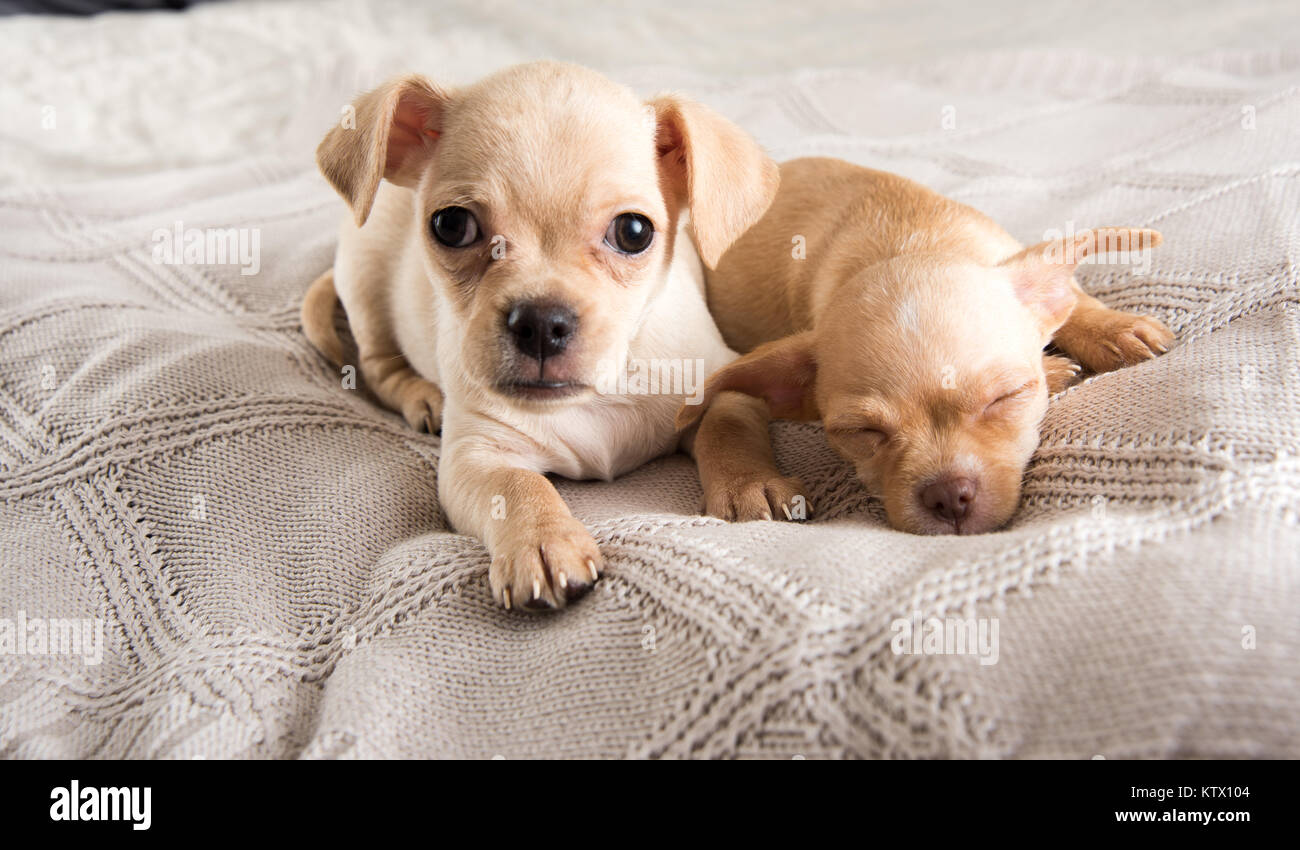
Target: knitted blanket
[{"x": 213, "y": 545}]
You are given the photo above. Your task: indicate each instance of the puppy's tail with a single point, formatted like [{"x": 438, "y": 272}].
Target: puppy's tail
[{"x": 318, "y": 318}]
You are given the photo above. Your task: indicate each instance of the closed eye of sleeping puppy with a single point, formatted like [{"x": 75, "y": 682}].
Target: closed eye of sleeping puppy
[
  {"x": 513, "y": 245},
  {"x": 914, "y": 328}
]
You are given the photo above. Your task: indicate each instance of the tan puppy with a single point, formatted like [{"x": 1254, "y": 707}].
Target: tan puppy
[
  {"x": 914, "y": 327},
  {"x": 514, "y": 245}
]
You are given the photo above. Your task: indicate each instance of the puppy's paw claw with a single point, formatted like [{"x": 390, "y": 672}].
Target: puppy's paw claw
[
  {"x": 421, "y": 405},
  {"x": 545, "y": 567},
  {"x": 1116, "y": 339},
  {"x": 1060, "y": 372},
  {"x": 758, "y": 498}
]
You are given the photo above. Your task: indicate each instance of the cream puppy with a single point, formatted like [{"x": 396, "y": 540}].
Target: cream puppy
[
  {"x": 913, "y": 327},
  {"x": 513, "y": 246}
]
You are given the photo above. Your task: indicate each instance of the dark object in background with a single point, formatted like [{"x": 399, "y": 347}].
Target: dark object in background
[{"x": 88, "y": 7}]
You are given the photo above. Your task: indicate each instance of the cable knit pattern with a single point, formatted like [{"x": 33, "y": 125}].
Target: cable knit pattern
[{"x": 265, "y": 548}]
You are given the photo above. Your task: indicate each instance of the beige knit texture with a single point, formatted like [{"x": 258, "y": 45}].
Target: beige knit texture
[{"x": 276, "y": 579}]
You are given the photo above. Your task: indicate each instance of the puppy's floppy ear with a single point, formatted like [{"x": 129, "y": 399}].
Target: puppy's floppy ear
[
  {"x": 715, "y": 167},
  {"x": 1043, "y": 274},
  {"x": 781, "y": 372},
  {"x": 392, "y": 135}
]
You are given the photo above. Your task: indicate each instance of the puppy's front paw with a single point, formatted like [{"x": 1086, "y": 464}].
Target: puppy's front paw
[
  {"x": 1112, "y": 339},
  {"x": 421, "y": 404},
  {"x": 544, "y": 566},
  {"x": 1060, "y": 372},
  {"x": 747, "y": 498}
]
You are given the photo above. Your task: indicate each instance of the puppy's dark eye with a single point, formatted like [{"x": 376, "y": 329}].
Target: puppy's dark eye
[
  {"x": 454, "y": 227},
  {"x": 630, "y": 233}
]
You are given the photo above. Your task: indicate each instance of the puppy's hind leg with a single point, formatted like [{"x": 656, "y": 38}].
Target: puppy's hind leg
[
  {"x": 387, "y": 373},
  {"x": 318, "y": 318},
  {"x": 1103, "y": 339},
  {"x": 391, "y": 378}
]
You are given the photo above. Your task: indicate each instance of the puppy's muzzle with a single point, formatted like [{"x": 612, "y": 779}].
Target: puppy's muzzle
[{"x": 541, "y": 329}]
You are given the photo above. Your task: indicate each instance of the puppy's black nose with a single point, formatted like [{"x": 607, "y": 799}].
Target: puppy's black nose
[
  {"x": 541, "y": 329},
  {"x": 949, "y": 498}
]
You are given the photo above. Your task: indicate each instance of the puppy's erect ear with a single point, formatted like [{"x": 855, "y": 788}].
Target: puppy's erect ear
[
  {"x": 1043, "y": 274},
  {"x": 715, "y": 167},
  {"x": 781, "y": 372},
  {"x": 391, "y": 134}
]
